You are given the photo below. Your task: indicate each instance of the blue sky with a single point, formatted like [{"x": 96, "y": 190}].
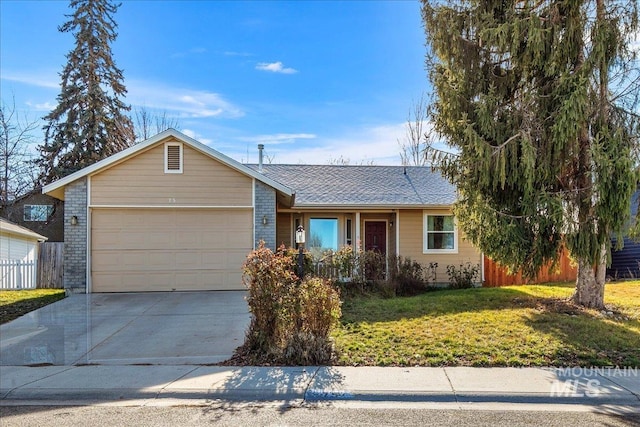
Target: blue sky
[{"x": 312, "y": 80}]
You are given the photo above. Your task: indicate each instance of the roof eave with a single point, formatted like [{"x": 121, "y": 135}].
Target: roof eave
[{"x": 20, "y": 231}]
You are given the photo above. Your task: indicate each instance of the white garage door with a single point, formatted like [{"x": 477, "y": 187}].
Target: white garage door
[{"x": 136, "y": 250}]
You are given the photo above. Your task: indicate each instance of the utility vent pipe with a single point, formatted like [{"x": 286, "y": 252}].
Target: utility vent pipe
[{"x": 260, "y": 154}]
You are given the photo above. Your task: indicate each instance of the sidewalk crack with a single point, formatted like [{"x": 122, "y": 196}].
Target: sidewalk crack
[
  {"x": 34, "y": 381},
  {"x": 455, "y": 394},
  {"x": 637, "y": 396},
  {"x": 306, "y": 389}
]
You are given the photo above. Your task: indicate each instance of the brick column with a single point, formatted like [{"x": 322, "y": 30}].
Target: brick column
[
  {"x": 75, "y": 237},
  {"x": 265, "y": 207}
]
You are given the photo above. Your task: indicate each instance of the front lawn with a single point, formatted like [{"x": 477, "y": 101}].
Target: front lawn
[
  {"x": 532, "y": 325},
  {"x": 14, "y": 304}
]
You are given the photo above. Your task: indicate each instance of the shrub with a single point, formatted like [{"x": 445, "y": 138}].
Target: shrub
[
  {"x": 345, "y": 261},
  {"x": 371, "y": 268},
  {"x": 291, "y": 319},
  {"x": 317, "y": 312},
  {"x": 293, "y": 253},
  {"x": 269, "y": 278},
  {"x": 408, "y": 276},
  {"x": 463, "y": 276},
  {"x": 432, "y": 272}
]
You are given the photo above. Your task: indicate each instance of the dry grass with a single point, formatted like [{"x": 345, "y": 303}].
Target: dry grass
[{"x": 531, "y": 325}]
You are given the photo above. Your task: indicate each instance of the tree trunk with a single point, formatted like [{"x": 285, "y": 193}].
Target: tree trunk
[{"x": 590, "y": 283}]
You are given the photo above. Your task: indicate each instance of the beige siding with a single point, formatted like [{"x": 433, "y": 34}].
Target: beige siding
[
  {"x": 141, "y": 181},
  {"x": 169, "y": 249},
  {"x": 411, "y": 244},
  {"x": 284, "y": 229}
]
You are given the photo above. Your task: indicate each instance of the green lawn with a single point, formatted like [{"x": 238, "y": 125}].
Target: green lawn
[
  {"x": 532, "y": 325},
  {"x": 14, "y": 304}
]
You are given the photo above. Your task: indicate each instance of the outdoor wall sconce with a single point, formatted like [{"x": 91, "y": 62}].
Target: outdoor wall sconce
[
  {"x": 74, "y": 220},
  {"x": 265, "y": 220},
  {"x": 391, "y": 224}
]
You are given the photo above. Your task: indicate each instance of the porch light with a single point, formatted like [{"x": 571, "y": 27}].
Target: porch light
[
  {"x": 74, "y": 220},
  {"x": 300, "y": 235},
  {"x": 300, "y": 242}
]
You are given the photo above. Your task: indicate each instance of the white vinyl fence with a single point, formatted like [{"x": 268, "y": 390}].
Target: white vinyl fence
[{"x": 17, "y": 274}]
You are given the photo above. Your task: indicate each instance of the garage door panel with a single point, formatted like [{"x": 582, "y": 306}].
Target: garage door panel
[{"x": 169, "y": 249}]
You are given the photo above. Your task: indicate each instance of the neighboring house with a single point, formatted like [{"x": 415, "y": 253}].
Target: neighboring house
[
  {"x": 18, "y": 255},
  {"x": 173, "y": 214},
  {"x": 38, "y": 212},
  {"x": 625, "y": 263}
]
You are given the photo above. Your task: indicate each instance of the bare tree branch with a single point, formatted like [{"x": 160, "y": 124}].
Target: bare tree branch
[
  {"x": 16, "y": 172},
  {"x": 417, "y": 135},
  {"x": 146, "y": 123}
]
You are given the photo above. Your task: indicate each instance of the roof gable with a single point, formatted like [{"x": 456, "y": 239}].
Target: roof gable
[{"x": 56, "y": 188}]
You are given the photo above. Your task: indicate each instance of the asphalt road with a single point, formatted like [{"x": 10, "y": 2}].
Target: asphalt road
[{"x": 269, "y": 415}]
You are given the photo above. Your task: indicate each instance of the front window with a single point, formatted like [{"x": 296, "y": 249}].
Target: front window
[
  {"x": 323, "y": 235},
  {"x": 440, "y": 234},
  {"x": 38, "y": 213}
]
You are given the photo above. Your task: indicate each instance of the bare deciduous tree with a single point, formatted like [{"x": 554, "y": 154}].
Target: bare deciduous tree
[
  {"x": 146, "y": 123},
  {"x": 16, "y": 171},
  {"x": 345, "y": 161},
  {"x": 417, "y": 135}
]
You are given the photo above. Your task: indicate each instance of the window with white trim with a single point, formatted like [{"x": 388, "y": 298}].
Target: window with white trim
[
  {"x": 440, "y": 234},
  {"x": 37, "y": 213},
  {"x": 173, "y": 157}
]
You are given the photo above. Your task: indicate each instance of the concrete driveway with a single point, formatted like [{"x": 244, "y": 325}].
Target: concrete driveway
[{"x": 165, "y": 328}]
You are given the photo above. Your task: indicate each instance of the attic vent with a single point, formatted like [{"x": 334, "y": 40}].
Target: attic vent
[{"x": 173, "y": 158}]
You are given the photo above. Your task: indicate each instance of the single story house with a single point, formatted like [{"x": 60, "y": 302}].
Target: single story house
[
  {"x": 18, "y": 255},
  {"x": 173, "y": 214}
]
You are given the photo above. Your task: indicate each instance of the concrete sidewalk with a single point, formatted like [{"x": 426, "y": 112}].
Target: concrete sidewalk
[{"x": 157, "y": 384}]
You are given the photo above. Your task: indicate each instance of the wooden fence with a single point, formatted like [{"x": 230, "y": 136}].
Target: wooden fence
[
  {"x": 496, "y": 275},
  {"x": 50, "y": 265}
]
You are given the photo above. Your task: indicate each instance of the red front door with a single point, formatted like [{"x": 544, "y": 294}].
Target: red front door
[{"x": 375, "y": 236}]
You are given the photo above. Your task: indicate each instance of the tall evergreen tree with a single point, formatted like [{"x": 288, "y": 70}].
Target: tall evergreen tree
[
  {"x": 539, "y": 98},
  {"x": 90, "y": 121}
]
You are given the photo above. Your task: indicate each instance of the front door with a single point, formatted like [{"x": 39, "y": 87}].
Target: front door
[{"x": 375, "y": 236}]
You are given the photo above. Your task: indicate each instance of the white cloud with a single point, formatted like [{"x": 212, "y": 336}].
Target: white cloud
[
  {"x": 275, "y": 67},
  {"x": 186, "y": 103},
  {"x": 192, "y": 134},
  {"x": 232, "y": 53},
  {"x": 377, "y": 144},
  {"x": 50, "y": 81},
  {"x": 192, "y": 51},
  {"x": 44, "y": 106},
  {"x": 278, "y": 138}
]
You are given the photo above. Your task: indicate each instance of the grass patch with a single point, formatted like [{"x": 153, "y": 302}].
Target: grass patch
[
  {"x": 14, "y": 304},
  {"x": 530, "y": 325}
]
